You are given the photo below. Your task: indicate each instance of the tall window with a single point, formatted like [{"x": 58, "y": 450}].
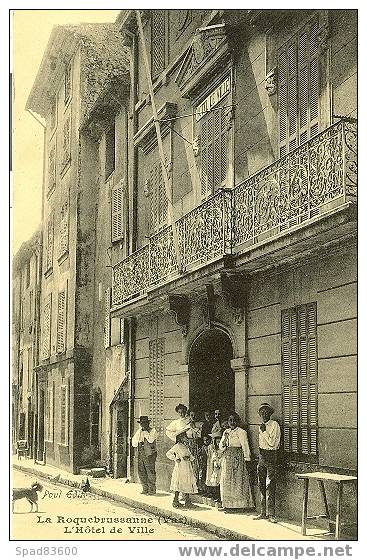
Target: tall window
[
  {"x": 107, "y": 320},
  {"x": 61, "y": 323},
  {"x": 51, "y": 184},
  {"x": 159, "y": 42},
  {"x": 66, "y": 140},
  {"x": 49, "y": 249},
  {"x": 110, "y": 151},
  {"x": 214, "y": 139},
  {"x": 156, "y": 381},
  {"x": 298, "y": 88},
  {"x": 116, "y": 212},
  {"x": 64, "y": 229},
  {"x": 158, "y": 198},
  {"x": 50, "y": 412},
  {"x": 299, "y": 377},
  {"x": 64, "y": 414},
  {"x": 46, "y": 328}
]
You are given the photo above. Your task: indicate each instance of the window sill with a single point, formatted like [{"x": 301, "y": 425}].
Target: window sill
[
  {"x": 48, "y": 272},
  {"x": 63, "y": 257}
]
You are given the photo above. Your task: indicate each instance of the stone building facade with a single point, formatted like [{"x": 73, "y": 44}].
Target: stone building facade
[
  {"x": 252, "y": 296},
  {"x": 26, "y": 290},
  {"x": 79, "y": 63}
]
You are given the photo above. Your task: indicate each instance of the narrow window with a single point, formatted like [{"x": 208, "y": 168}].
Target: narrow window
[
  {"x": 299, "y": 377},
  {"x": 110, "y": 151}
]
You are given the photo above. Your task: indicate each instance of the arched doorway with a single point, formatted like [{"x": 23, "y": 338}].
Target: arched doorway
[{"x": 211, "y": 379}]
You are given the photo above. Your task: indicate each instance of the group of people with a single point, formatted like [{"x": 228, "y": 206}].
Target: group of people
[{"x": 210, "y": 458}]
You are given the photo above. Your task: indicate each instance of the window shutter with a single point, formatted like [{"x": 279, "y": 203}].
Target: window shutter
[
  {"x": 52, "y": 167},
  {"x": 66, "y": 140},
  {"x": 214, "y": 144},
  {"x": 63, "y": 414},
  {"x": 116, "y": 213},
  {"x": 61, "y": 323},
  {"x": 158, "y": 199},
  {"x": 298, "y": 88},
  {"x": 64, "y": 229},
  {"x": 204, "y": 160},
  {"x": 156, "y": 382},
  {"x": 46, "y": 338},
  {"x": 107, "y": 323},
  {"x": 50, "y": 243},
  {"x": 158, "y": 52},
  {"x": 299, "y": 378}
]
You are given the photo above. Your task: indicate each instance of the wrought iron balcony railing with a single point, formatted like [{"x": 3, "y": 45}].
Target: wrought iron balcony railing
[{"x": 319, "y": 175}]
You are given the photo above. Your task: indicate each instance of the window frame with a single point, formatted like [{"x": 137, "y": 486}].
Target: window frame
[{"x": 299, "y": 456}]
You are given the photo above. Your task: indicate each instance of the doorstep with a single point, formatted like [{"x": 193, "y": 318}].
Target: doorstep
[{"x": 226, "y": 526}]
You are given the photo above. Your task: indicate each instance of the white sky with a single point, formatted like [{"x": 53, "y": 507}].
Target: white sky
[{"x": 30, "y": 32}]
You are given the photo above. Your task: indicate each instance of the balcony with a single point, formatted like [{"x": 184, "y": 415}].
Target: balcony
[{"x": 316, "y": 178}]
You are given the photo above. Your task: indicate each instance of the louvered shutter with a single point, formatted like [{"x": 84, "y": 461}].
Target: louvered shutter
[
  {"x": 52, "y": 167},
  {"x": 64, "y": 229},
  {"x": 107, "y": 323},
  {"x": 46, "y": 337},
  {"x": 61, "y": 322},
  {"x": 50, "y": 243},
  {"x": 158, "y": 50},
  {"x": 299, "y": 380},
  {"x": 158, "y": 198},
  {"x": 298, "y": 88},
  {"x": 214, "y": 146},
  {"x": 63, "y": 414},
  {"x": 116, "y": 213},
  {"x": 312, "y": 378}
]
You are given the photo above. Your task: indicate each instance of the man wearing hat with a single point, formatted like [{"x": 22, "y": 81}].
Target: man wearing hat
[
  {"x": 145, "y": 440},
  {"x": 269, "y": 442}
]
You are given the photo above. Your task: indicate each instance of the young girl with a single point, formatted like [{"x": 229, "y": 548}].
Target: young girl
[
  {"x": 183, "y": 478},
  {"x": 214, "y": 467}
]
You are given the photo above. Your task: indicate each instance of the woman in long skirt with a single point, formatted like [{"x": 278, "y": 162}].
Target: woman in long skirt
[{"x": 234, "y": 483}]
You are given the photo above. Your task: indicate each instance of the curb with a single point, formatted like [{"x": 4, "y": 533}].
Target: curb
[{"x": 222, "y": 532}]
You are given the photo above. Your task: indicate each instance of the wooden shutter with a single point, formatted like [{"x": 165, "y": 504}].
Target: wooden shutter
[
  {"x": 214, "y": 145},
  {"x": 298, "y": 88},
  {"x": 158, "y": 49},
  {"x": 46, "y": 337},
  {"x": 158, "y": 199},
  {"x": 156, "y": 382},
  {"x": 299, "y": 380},
  {"x": 116, "y": 213},
  {"x": 50, "y": 243},
  {"x": 64, "y": 229},
  {"x": 51, "y": 167},
  {"x": 107, "y": 323},
  {"x": 61, "y": 323},
  {"x": 63, "y": 414},
  {"x": 66, "y": 139}
]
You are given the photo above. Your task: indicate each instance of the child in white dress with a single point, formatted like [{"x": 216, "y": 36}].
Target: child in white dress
[{"x": 183, "y": 478}]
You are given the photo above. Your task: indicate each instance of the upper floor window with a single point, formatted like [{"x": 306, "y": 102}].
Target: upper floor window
[
  {"x": 110, "y": 151},
  {"x": 49, "y": 244},
  {"x": 66, "y": 140},
  {"x": 61, "y": 323},
  {"x": 117, "y": 212},
  {"x": 158, "y": 198},
  {"x": 298, "y": 88},
  {"x": 51, "y": 183},
  {"x": 46, "y": 327},
  {"x": 64, "y": 229},
  {"x": 299, "y": 381},
  {"x": 67, "y": 84},
  {"x": 159, "y": 42}
]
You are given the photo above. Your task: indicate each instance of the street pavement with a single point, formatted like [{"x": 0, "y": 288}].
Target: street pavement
[{"x": 63, "y": 510}]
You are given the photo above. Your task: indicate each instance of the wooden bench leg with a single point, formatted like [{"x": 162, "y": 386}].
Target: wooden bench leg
[
  {"x": 304, "y": 505},
  {"x": 338, "y": 511},
  {"x": 326, "y": 506}
]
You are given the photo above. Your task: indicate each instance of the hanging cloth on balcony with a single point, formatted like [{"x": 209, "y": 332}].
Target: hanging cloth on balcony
[{"x": 170, "y": 209}]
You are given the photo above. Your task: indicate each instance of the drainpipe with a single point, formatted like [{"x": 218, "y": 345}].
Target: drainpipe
[{"x": 131, "y": 361}]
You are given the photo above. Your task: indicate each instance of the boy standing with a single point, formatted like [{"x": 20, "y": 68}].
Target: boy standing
[
  {"x": 269, "y": 442},
  {"x": 144, "y": 439}
]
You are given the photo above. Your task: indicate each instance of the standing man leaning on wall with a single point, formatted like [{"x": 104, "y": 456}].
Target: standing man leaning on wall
[
  {"x": 145, "y": 440},
  {"x": 269, "y": 442}
]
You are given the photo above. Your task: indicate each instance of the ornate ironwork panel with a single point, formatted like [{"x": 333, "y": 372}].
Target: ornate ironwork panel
[
  {"x": 350, "y": 158},
  {"x": 162, "y": 257},
  {"x": 131, "y": 276}
]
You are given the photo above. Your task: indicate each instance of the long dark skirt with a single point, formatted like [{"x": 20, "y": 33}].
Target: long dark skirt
[{"x": 234, "y": 482}]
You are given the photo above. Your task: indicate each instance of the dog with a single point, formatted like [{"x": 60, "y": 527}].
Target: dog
[{"x": 29, "y": 493}]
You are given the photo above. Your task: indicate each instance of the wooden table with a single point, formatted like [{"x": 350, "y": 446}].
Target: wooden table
[{"x": 340, "y": 480}]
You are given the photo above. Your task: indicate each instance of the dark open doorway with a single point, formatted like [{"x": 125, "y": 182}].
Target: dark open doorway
[{"x": 211, "y": 379}]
